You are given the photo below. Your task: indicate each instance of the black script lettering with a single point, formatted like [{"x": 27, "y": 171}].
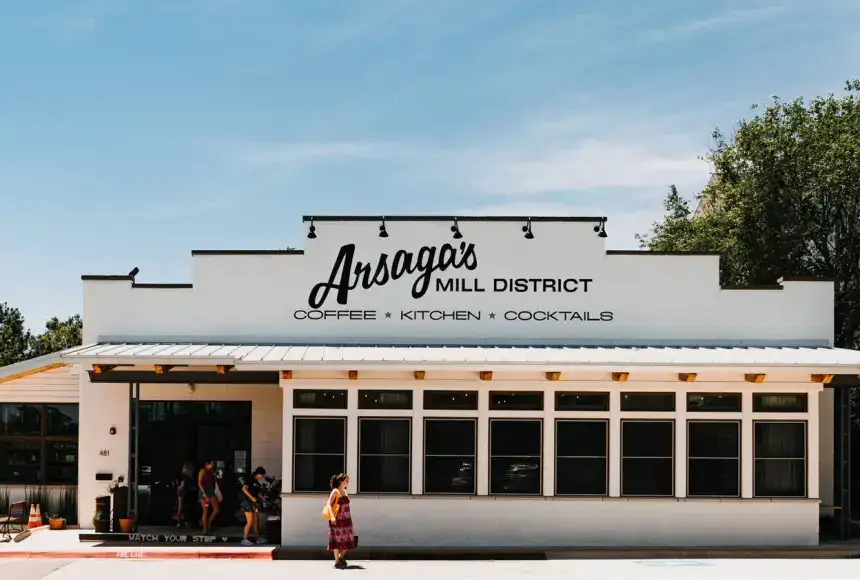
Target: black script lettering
[{"x": 347, "y": 274}]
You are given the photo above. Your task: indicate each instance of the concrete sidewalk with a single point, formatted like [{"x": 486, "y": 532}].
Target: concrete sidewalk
[{"x": 45, "y": 543}]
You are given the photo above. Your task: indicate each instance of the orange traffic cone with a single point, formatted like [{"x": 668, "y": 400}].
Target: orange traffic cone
[
  {"x": 34, "y": 522},
  {"x": 39, "y": 514}
]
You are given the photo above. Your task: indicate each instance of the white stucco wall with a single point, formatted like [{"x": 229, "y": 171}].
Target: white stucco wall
[
  {"x": 483, "y": 520},
  {"x": 556, "y": 522},
  {"x": 651, "y": 296}
]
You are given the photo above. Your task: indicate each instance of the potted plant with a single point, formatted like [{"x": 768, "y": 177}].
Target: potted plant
[
  {"x": 56, "y": 522},
  {"x": 100, "y": 522},
  {"x": 271, "y": 509},
  {"x": 121, "y": 520}
]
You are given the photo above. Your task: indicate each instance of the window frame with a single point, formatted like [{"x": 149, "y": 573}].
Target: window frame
[
  {"x": 298, "y": 392},
  {"x": 358, "y": 453},
  {"x": 540, "y": 422},
  {"x": 557, "y": 456},
  {"x": 670, "y": 395},
  {"x": 43, "y": 438},
  {"x": 698, "y": 412},
  {"x": 297, "y": 418},
  {"x": 673, "y": 421},
  {"x": 805, "y": 423},
  {"x": 474, "y": 421},
  {"x": 409, "y": 409},
  {"x": 739, "y": 424},
  {"x": 803, "y": 395}
]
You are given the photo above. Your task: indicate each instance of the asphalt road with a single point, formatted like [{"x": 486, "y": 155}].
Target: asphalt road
[{"x": 36, "y": 569}]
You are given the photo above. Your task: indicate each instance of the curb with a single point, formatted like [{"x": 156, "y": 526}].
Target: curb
[
  {"x": 824, "y": 552},
  {"x": 127, "y": 554}
]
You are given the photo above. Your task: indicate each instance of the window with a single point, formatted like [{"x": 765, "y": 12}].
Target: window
[
  {"x": 714, "y": 402},
  {"x": 318, "y": 399},
  {"x": 581, "y": 451},
  {"x": 397, "y": 400},
  {"x": 780, "y": 459},
  {"x": 647, "y": 458},
  {"x": 645, "y": 402},
  {"x": 515, "y": 457},
  {"x": 714, "y": 464},
  {"x": 319, "y": 451},
  {"x": 516, "y": 401},
  {"x": 451, "y": 400},
  {"x": 384, "y": 453},
  {"x": 581, "y": 401},
  {"x": 780, "y": 403},
  {"x": 449, "y": 455},
  {"x": 38, "y": 443}
]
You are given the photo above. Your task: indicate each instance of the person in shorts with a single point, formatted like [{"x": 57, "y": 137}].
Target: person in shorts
[{"x": 249, "y": 503}]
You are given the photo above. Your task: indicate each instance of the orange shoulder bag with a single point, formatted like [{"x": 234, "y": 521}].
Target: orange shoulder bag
[{"x": 331, "y": 515}]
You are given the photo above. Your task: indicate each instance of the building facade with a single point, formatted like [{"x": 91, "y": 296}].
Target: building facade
[{"x": 485, "y": 382}]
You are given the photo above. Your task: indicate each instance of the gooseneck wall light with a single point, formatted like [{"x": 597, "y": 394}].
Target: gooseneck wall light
[
  {"x": 383, "y": 233},
  {"x": 456, "y": 230},
  {"x": 312, "y": 231},
  {"x": 600, "y": 228},
  {"x": 527, "y": 229}
]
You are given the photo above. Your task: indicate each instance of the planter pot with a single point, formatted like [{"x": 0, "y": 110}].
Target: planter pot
[
  {"x": 102, "y": 526},
  {"x": 126, "y": 526},
  {"x": 59, "y": 524},
  {"x": 273, "y": 530}
]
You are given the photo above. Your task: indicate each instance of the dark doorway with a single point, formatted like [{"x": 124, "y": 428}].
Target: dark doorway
[{"x": 173, "y": 432}]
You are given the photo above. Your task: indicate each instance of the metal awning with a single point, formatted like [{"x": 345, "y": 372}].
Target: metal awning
[{"x": 281, "y": 357}]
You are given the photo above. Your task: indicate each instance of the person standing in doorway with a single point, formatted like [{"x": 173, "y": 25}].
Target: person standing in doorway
[
  {"x": 185, "y": 495},
  {"x": 249, "y": 502},
  {"x": 341, "y": 537},
  {"x": 207, "y": 485}
]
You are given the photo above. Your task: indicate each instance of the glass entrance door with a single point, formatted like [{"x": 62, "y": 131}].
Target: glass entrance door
[{"x": 173, "y": 432}]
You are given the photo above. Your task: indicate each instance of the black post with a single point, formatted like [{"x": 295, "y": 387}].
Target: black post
[
  {"x": 136, "y": 452},
  {"x": 130, "y": 444}
]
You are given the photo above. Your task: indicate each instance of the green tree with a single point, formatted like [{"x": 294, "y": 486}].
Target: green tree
[
  {"x": 59, "y": 335},
  {"x": 14, "y": 337},
  {"x": 784, "y": 199}
]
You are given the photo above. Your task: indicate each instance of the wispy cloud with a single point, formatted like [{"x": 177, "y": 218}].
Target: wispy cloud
[
  {"x": 579, "y": 153},
  {"x": 728, "y": 19}
]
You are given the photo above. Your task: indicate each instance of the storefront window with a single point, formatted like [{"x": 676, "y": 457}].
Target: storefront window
[
  {"x": 384, "y": 455},
  {"x": 780, "y": 403},
  {"x": 581, "y": 451},
  {"x": 714, "y": 403},
  {"x": 449, "y": 455},
  {"x": 647, "y": 458},
  {"x": 392, "y": 400},
  {"x": 648, "y": 402},
  {"x": 515, "y": 457},
  {"x": 575, "y": 401},
  {"x": 38, "y": 443},
  {"x": 451, "y": 400},
  {"x": 516, "y": 401},
  {"x": 319, "y": 399},
  {"x": 319, "y": 451},
  {"x": 714, "y": 464},
  {"x": 780, "y": 459}
]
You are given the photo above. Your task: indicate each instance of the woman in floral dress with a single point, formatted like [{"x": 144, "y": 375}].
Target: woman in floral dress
[{"x": 341, "y": 537}]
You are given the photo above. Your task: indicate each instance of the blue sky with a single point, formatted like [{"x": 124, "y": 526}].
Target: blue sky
[{"x": 132, "y": 131}]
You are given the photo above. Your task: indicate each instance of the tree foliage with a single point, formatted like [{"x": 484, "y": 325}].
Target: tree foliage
[
  {"x": 18, "y": 344},
  {"x": 14, "y": 336},
  {"x": 784, "y": 200}
]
